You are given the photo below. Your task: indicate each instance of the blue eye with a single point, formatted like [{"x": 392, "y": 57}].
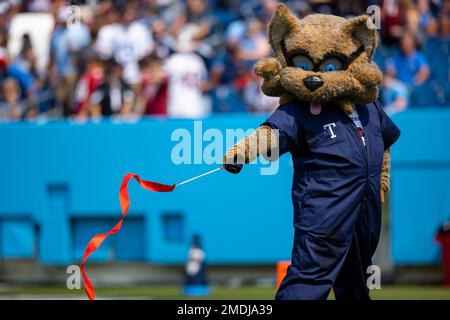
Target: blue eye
[
  {"x": 302, "y": 62},
  {"x": 330, "y": 67},
  {"x": 304, "y": 66},
  {"x": 331, "y": 64}
]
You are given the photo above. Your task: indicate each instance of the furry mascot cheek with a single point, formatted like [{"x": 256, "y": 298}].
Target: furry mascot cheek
[
  {"x": 363, "y": 94},
  {"x": 366, "y": 77},
  {"x": 367, "y": 74}
]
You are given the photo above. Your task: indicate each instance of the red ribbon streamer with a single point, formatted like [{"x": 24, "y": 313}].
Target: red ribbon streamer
[{"x": 98, "y": 239}]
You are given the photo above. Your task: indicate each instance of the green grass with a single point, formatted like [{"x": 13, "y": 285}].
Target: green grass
[{"x": 219, "y": 293}]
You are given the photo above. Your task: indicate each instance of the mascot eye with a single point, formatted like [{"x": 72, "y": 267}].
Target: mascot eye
[
  {"x": 332, "y": 64},
  {"x": 303, "y": 62}
]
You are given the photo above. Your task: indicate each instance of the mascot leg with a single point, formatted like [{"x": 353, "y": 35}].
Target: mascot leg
[
  {"x": 316, "y": 264},
  {"x": 351, "y": 283}
]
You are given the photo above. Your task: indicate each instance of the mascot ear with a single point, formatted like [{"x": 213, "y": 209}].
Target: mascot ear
[
  {"x": 362, "y": 30},
  {"x": 281, "y": 24}
]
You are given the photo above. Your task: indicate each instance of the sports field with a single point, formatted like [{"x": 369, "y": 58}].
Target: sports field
[{"x": 174, "y": 292}]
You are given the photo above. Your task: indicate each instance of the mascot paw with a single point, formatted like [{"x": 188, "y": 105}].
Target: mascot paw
[
  {"x": 232, "y": 162},
  {"x": 369, "y": 75},
  {"x": 383, "y": 196},
  {"x": 233, "y": 168},
  {"x": 267, "y": 68}
]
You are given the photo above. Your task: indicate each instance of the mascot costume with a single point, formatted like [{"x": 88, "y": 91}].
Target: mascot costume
[{"x": 330, "y": 121}]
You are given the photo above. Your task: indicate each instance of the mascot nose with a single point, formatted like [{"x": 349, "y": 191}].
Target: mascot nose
[{"x": 313, "y": 82}]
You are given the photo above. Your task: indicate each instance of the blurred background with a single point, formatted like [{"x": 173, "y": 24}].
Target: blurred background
[{"x": 91, "y": 90}]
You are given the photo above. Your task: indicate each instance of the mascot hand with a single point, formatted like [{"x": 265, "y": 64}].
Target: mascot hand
[
  {"x": 269, "y": 69},
  {"x": 230, "y": 161},
  {"x": 263, "y": 141},
  {"x": 383, "y": 196},
  {"x": 233, "y": 168}
]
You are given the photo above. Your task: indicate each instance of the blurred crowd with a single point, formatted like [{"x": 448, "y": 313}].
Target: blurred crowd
[{"x": 188, "y": 59}]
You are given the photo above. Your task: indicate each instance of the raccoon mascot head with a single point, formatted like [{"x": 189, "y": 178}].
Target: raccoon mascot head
[{"x": 321, "y": 59}]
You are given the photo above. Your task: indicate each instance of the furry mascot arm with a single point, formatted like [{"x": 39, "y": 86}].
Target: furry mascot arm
[
  {"x": 385, "y": 174},
  {"x": 262, "y": 142}
]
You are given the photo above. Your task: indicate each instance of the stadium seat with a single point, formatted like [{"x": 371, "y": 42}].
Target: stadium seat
[
  {"x": 437, "y": 52},
  {"x": 427, "y": 95}
]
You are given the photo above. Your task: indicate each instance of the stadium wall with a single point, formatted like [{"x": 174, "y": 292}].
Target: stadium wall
[{"x": 60, "y": 184}]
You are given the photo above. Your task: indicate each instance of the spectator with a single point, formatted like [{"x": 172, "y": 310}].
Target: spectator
[
  {"x": 437, "y": 50},
  {"x": 4, "y": 16},
  {"x": 65, "y": 45},
  {"x": 195, "y": 21},
  {"x": 11, "y": 106},
  {"x": 409, "y": 65},
  {"x": 268, "y": 8},
  {"x": 89, "y": 81},
  {"x": 225, "y": 70},
  {"x": 425, "y": 14},
  {"x": 178, "y": 54},
  {"x": 26, "y": 59},
  {"x": 3, "y": 39},
  {"x": 187, "y": 74},
  {"x": 161, "y": 38},
  {"x": 394, "y": 94},
  {"x": 154, "y": 88},
  {"x": 253, "y": 45},
  {"x": 394, "y": 19},
  {"x": 127, "y": 42},
  {"x": 226, "y": 11},
  {"x": 113, "y": 96},
  {"x": 195, "y": 24},
  {"x": 444, "y": 21},
  {"x": 255, "y": 99},
  {"x": 39, "y": 5},
  {"x": 22, "y": 78}
]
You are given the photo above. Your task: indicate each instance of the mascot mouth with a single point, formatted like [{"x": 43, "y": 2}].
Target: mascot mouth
[{"x": 315, "y": 108}]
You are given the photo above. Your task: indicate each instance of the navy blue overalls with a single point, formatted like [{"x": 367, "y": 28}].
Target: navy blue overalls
[{"x": 336, "y": 196}]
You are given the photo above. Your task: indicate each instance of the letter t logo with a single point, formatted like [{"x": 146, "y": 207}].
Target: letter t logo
[{"x": 330, "y": 127}]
